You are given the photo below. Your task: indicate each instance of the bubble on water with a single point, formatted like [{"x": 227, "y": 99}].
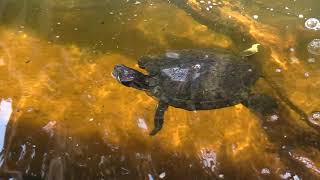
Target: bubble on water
[
  {"x": 306, "y": 74},
  {"x": 312, "y": 23},
  {"x": 314, "y": 47},
  {"x": 286, "y": 175},
  {"x": 265, "y": 171},
  {"x": 311, "y": 60},
  {"x": 278, "y": 70},
  {"x": 294, "y": 60},
  {"x": 300, "y": 16},
  {"x": 273, "y": 118},
  {"x": 255, "y": 16},
  {"x": 162, "y": 175},
  {"x": 314, "y": 118}
]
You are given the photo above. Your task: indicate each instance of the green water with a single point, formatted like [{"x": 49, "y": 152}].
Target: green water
[{"x": 63, "y": 116}]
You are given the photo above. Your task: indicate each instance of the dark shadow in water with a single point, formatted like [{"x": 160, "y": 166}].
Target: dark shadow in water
[
  {"x": 34, "y": 154},
  {"x": 213, "y": 20},
  {"x": 93, "y": 158}
]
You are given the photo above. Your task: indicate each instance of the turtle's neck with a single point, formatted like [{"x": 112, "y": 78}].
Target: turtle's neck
[{"x": 140, "y": 82}]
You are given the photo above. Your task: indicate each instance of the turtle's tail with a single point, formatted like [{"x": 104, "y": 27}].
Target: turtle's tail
[{"x": 288, "y": 102}]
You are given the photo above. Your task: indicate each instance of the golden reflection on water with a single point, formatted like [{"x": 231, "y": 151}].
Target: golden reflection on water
[
  {"x": 66, "y": 89},
  {"x": 70, "y": 85},
  {"x": 180, "y": 27}
]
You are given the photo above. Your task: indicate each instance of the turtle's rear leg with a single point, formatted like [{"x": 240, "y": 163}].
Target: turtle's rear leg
[
  {"x": 158, "y": 118},
  {"x": 262, "y": 104}
]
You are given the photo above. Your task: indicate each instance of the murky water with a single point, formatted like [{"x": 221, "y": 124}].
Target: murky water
[{"x": 63, "y": 116}]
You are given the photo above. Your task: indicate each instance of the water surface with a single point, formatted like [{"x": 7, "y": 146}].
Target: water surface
[{"x": 63, "y": 116}]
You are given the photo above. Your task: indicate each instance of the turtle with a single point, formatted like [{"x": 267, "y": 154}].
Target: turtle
[{"x": 197, "y": 79}]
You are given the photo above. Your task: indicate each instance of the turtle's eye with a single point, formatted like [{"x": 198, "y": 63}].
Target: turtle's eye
[{"x": 124, "y": 74}]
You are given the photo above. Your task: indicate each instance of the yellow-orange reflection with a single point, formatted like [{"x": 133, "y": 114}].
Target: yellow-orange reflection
[
  {"x": 166, "y": 30},
  {"x": 74, "y": 87}
]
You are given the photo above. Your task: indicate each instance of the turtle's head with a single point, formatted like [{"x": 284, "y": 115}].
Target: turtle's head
[{"x": 130, "y": 77}]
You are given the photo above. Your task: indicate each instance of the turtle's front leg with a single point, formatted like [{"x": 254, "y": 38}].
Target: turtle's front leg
[{"x": 158, "y": 117}]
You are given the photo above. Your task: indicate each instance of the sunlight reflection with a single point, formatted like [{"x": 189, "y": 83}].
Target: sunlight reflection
[{"x": 5, "y": 114}]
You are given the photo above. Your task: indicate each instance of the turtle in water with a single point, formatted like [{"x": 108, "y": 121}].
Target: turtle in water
[{"x": 196, "y": 79}]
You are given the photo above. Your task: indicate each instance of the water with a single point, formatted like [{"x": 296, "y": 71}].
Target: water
[
  {"x": 312, "y": 23},
  {"x": 71, "y": 120},
  {"x": 314, "y": 47}
]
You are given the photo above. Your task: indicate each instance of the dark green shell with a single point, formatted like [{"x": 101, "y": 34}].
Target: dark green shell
[{"x": 200, "y": 79}]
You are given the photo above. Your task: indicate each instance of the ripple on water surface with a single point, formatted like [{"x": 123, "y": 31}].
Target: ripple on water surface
[
  {"x": 314, "y": 47},
  {"x": 312, "y": 23}
]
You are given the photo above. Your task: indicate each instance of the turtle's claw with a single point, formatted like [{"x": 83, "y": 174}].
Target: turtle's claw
[
  {"x": 158, "y": 118},
  {"x": 154, "y": 131}
]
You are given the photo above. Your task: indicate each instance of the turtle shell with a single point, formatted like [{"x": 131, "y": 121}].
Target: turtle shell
[{"x": 199, "y": 79}]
